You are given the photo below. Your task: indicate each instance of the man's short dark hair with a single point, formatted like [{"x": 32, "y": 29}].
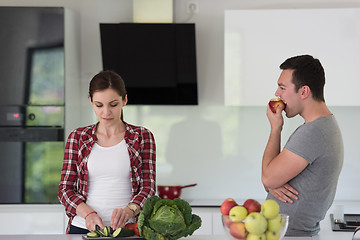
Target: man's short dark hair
[{"x": 307, "y": 71}]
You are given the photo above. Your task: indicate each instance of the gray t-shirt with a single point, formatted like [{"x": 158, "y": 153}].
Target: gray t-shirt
[{"x": 320, "y": 143}]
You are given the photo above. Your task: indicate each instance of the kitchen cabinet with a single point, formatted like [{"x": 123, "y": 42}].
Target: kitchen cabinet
[
  {"x": 32, "y": 97},
  {"x": 255, "y": 46},
  {"x": 211, "y": 221},
  {"x": 32, "y": 219}
]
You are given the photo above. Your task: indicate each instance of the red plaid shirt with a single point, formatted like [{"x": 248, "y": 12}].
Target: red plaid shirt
[{"x": 74, "y": 174}]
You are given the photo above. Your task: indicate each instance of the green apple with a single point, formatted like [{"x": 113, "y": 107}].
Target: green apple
[
  {"x": 270, "y": 235},
  {"x": 255, "y": 223},
  {"x": 270, "y": 208},
  {"x": 252, "y": 236},
  {"x": 276, "y": 223},
  {"x": 238, "y": 213}
]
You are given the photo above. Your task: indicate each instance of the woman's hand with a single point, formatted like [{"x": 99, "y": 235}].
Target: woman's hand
[
  {"x": 285, "y": 193},
  {"x": 91, "y": 217},
  {"x": 120, "y": 216},
  {"x": 92, "y": 220}
]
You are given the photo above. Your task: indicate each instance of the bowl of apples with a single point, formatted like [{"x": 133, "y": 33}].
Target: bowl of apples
[{"x": 253, "y": 221}]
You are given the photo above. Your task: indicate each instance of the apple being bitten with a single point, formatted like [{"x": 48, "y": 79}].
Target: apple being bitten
[
  {"x": 274, "y": 103},
  {"x": 252, "y": 205},
  {"x": 237, "y": 230},
  {"x": 227, "y": 205}
]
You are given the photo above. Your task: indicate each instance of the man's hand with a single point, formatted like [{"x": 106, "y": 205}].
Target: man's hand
[
  {"x": 276, "y": 119},
  {"x": 285, "y": 193}
]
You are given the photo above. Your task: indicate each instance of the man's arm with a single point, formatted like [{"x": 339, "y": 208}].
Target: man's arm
[{"x": 279, "y": 167}]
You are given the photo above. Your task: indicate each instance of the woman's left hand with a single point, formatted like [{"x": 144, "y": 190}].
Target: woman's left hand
[{"x": 120, "y": 216}]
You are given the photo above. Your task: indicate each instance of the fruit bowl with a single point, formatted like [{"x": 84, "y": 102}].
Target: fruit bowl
[{"x": 237, "y": 230}]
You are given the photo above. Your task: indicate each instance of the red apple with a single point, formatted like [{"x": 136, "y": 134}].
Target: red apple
[
  {"x": 274, "y": 103},
  {"x": 252, "y": 206},
  {"x": 227, "y": 221},
  {"x": 228, "y": 204},
  {"x": 238, "y": 230}
]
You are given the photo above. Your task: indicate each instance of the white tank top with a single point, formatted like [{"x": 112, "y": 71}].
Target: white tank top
[{"x": 109, "y": 183}]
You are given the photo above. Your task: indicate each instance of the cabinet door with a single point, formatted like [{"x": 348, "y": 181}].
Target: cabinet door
[
  {"x": 206, "y": 221},
  {"x": 211, "y": 221},
  {"x": 258, "y": 41},
  {"x": 217, "y": 224},
  {"x": 32, "y": 219}
]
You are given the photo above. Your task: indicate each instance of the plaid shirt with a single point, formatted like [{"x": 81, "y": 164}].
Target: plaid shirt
[{"x": 74, "y": 174}]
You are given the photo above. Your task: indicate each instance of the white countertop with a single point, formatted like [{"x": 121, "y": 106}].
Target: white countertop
[
  {"x": 325, "y": 234},
  {"x": 334, "y": 236}
]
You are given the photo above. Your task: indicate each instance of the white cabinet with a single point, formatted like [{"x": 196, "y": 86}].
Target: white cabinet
[
  {"x": 32, "y": 219},
  {"x": 256, "y": 44},
  {"x": 211, "y": 221},
  {"x": 217, "y": 223},
  {"x": 51, "y": 219}
]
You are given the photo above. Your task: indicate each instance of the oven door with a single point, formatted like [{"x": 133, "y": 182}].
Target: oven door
[{"x": 31, "y": 150}]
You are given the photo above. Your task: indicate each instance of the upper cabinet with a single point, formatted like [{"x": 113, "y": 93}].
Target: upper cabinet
[{"x": 258, "y": 41}]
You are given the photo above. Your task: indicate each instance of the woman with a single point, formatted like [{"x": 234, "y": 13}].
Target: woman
[{"x": 109, "y": 167}]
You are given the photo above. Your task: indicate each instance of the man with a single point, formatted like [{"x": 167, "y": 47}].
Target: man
[{"x": 303, "y": 177}]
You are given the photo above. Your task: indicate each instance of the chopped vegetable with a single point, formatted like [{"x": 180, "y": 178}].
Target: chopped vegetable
[
  {"x": 165, "y": 219},
  {"x": 92, "y": 234},
  {"x": 123, "y": 232},
  {"x": 109, "y": 232}
]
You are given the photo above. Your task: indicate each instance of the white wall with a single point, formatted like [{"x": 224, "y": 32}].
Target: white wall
[{"x": 219, "y": 147}]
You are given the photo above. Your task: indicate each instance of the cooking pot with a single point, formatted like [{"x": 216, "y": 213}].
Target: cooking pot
[{"x": 171, "y": 192}]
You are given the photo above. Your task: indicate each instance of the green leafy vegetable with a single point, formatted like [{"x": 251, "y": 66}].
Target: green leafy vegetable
[{"x": 165, "y": 219}]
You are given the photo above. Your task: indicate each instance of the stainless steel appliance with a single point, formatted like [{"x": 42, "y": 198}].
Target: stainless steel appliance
[{"x": 31, "y": 103}]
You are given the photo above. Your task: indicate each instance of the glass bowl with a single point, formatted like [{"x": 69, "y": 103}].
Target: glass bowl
[{"x": 227, "y": 223}]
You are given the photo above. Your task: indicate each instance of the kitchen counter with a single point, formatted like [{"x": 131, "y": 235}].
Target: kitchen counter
[
  {"x": 334, "y": 236},
  {"x": 326, "y": 232}
]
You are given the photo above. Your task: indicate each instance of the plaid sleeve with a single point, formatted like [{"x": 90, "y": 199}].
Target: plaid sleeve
[
  {"x": 68, "y": 194},
  {"x": 148, "y": 170}
]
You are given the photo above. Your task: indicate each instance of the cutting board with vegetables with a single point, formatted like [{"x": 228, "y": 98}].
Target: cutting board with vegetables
[
  {"x": 109, "y": 233},
  {"x": 103, "y": 238}
]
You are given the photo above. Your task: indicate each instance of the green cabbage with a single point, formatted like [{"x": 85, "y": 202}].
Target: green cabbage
[{"x": 165, "y": 219}]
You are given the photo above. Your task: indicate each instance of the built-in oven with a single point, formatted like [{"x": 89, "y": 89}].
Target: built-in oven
[{"x": 31, "y": 103}]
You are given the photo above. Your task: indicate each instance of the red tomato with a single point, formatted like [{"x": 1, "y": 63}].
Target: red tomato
[{"x": 133, "y": 226}]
